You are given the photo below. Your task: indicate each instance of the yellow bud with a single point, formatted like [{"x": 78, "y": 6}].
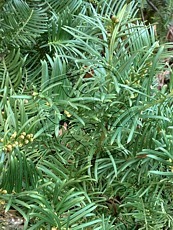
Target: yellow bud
[
  {"x": 67, "y": 113},
  {"x": 9, "y": 148},
  {"x": 26, "y": 141},
  {"x": 47, "y": 103},
  {"x": 114, "y": 19},
  {"x": 34, "y": 94},
  {"x": 14, "y": 135},
  {"x": 2, "y": 202},
  {"x": 127, "y": 82},
  {"x": 25, "y": 101},
  {"x": 22, "y": 136}
]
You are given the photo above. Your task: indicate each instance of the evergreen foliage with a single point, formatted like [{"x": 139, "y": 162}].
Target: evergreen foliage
[{"x": 86, "y": 132}]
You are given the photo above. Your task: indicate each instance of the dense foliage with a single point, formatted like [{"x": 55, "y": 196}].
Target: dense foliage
[{"x": 86, "y": 123}]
